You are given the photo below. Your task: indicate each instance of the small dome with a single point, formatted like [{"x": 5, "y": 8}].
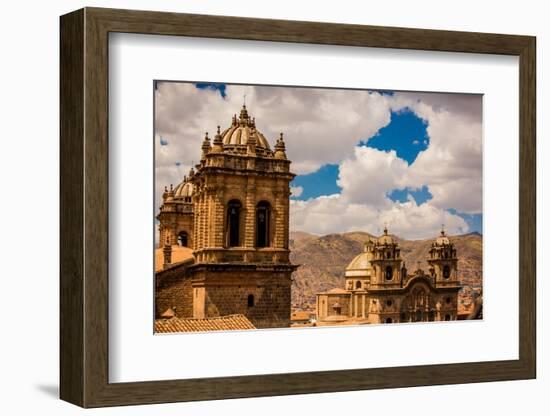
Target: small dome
[
  {"x": 442, "y": 240},
  {"x": 184, "y": 189},
  {"x": 241, "y": 129},
  {"x": 360, "y": 265},
  {"x": 386, "y": 239}
]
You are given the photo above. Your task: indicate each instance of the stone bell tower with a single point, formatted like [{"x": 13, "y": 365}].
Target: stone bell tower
[
  {"x": 443, "y": 261},
  {"x": 386, "y": 262},
  {"x": 176, "y": 215},
  {"x": 240, "y": 227}
]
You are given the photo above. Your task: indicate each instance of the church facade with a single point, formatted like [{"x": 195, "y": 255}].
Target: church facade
[
  {"x": 379, "y": 289},
  {"x": 232, "y": 214}
]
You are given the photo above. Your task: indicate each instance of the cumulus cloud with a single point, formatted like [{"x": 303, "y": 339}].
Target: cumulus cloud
[
  {"x": 451, "y": 166},
  {"x": 296, "y": 191},
  {"x": 366, "y": 179},
  {"x": 369, "y": 174},
  {"x": 336, "y": 214},
  {"x": 321, "y": 125}
]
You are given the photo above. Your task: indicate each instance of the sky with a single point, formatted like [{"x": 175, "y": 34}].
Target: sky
[{"x": 363, "y": 158}]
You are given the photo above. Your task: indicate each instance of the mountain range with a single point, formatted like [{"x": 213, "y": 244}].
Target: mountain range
[{"x": 323, "y": 260}]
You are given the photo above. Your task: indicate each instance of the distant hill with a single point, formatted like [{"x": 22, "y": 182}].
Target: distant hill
[{"x": 323, "y": 260}]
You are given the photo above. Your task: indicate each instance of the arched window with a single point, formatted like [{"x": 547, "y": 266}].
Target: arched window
[
  {"x": 263, "y": 216},
  {"x": 250, "y": 301},
  {"x": 183, "y": 239},
  {"x": 418, "y": 316},
  {"x": 446, "y": 272},
  {"x": 389, "y": 273},
  {"x": 447, "y": 317},
  {"x": 389, "y": 320},
  {"x": 233, "y": 223},
  {"x": 358, "y": 284}
]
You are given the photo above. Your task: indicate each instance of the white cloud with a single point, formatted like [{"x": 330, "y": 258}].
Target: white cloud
[
  {"x": 451, "y": 166},
  {"x": 336, "y": 214},
  {"x": 365, "y": 179},
  {"x": 369, "y": 174},
  {"x": 296, "y": 191}
]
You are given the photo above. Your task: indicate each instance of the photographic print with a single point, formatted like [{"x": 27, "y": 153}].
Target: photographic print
[{"x": 302, "y": 207}]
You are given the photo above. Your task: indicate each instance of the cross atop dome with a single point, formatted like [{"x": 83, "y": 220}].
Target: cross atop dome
[{"x": 244, "y": 114}]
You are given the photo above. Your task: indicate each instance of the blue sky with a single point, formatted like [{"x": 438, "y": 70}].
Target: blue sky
[
  {"x": 212, "y": 86},
  {"x": 406, "y": 134},
  {"x": 322, "y": 182}
]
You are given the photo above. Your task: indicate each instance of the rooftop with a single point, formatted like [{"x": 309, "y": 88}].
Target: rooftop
[
  {"x": 179, "y": 254},
  {"x": 221, "y": 323}
]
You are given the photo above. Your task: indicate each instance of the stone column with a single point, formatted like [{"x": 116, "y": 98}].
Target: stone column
[
  {"x": 279, "y": 217},
  {"x": 250, "y": 206},
  {"x": 219, "y": 216},
  {"x": 201, "y": 219},
  {"x": 210, "y": 217}
]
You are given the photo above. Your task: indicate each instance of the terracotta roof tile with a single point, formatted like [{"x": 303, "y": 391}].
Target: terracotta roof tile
[
  {"x": 179, "y": 254},
  {"x": 222, "y": 323}
]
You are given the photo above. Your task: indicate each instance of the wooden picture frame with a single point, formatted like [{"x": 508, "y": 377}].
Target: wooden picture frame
[{"x": 84, "y": 207}]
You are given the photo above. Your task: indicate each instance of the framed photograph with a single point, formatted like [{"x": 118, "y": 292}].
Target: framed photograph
[{"x": 254, "y": 207}]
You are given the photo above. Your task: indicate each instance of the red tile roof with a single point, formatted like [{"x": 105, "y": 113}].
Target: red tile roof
[
  {"x": 221, "y": 323},
  {"x": 179, "y": 254}
]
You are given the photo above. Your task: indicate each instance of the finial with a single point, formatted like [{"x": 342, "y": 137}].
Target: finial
[
  {"x": 218, "y": 129},
  {"x": 205, "y": 145},
  {"x": 244, "y": 100},
  {"x": 280, "y": 148},
  {"x": 244, "y": 115},
  {"x": 442, "y": 229},
  {"x": 386, "y": 228},
  {"x": 165, "y": 189},
  {"x": 171, "y": 187}
]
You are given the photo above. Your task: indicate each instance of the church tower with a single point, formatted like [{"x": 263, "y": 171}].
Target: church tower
[
  {"x": 176, "y": 216},
  {"x": 386, "y": 262},
  {"x": 443, "y": 261},
  {"x": 241, "y": 226}
]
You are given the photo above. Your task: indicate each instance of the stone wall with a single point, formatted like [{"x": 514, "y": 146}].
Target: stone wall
[
  {"x": 171, "y": 224},
  {"x": 263, "y": 296},
  {"x": 173, "y": 290}
]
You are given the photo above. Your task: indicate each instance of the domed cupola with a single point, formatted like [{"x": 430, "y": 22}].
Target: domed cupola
[
  {"x": 442, "y": 239},
  {"x": 184, "y": 190},
  {"x": 360, "y": 266},
  {"x": 442, "y": 248},
  {"x": 386, "y": 239},
  {"x": 241, "y": 132}
]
